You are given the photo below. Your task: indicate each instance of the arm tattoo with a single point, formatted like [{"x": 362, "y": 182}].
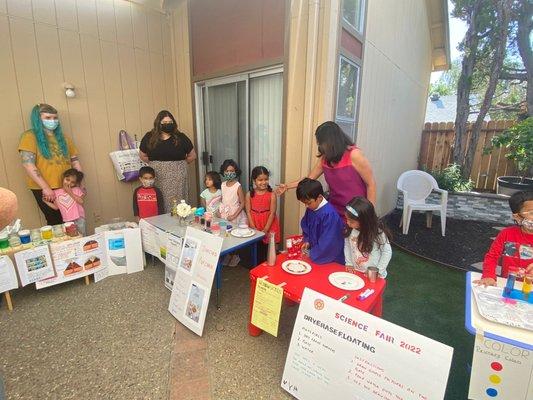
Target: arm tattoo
[
  {"x": 27, "y": 157},
  {"x": 37, "y": 173}
]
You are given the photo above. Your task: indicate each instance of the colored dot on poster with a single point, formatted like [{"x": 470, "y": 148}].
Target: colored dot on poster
[
  {"x": 495, "y": 379},
  {"x": 496, "y": 366},
  {"x": 492, "y": 392}
]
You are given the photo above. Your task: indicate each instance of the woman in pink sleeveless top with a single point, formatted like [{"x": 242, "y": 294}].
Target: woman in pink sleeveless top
[{"x": 346, "y": 170}]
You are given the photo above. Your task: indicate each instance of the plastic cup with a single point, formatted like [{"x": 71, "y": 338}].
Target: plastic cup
[
  {"x": 215, "y": 229},
  {"x": 24, "y": 236},
  {"x": 4, "y": 241},
  {"x": 14, "y": 241},
  {"x": 58, "y": 230},
  {"x": 46, "y": 232},
  {"x": 372, "y": 273}
]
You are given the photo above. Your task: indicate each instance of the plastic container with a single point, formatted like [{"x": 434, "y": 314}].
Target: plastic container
[
  {"x": 25, "y": 236},
  {"x": 35, "y": 235},
  {"x": 46, "y": 232},
  {"x": 58, "y": 230},
  {"x": 71, "y": 229},
  {"x": 4, "y": 241},
  {"x": 14, "y": 240},
  {"x": 215, "y": 229}
]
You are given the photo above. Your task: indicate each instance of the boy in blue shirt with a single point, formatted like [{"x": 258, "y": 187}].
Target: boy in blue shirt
[{"x": 321, "y": 225}]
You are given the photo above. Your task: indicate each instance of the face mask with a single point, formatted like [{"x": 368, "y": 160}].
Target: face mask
[
  {"x": 527, "y": 224},
  {"x": 228, "y": 176},
  {"x": 168, "y": 128},
  {"x": 148, "y": 182},
  {"x": 50, "y": 124}
]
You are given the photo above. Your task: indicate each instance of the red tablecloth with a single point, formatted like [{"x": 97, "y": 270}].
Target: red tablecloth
[{"x": 317, "y": 280}]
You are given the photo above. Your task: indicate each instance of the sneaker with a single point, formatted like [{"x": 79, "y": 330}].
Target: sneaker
[
  {"x": 234, "y": 261},
  {"x": 227, "y": 259}
]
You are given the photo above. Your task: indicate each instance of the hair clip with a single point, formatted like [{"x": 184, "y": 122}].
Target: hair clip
[{"x": 352, "y": 210}]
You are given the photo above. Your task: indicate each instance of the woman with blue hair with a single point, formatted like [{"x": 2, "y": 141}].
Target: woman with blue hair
[{"x": 46, "y": 153}]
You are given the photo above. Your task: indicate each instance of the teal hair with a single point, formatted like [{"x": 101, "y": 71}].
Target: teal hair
[{"x": 42, "y": 141}]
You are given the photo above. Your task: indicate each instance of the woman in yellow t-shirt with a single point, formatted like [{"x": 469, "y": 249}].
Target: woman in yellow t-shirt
[{"x": 46, "y": 153}]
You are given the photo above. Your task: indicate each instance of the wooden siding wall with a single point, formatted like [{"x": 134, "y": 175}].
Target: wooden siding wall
[
  {"x": 117, "y": 54},
  {"x": 396, "y": 72},
  {"x": 436, "y": 152}
]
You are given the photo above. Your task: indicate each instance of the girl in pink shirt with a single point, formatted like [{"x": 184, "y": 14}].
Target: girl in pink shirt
[{"x": 69, "y": 199}]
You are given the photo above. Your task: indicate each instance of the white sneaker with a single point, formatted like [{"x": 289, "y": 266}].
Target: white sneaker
[
  {"x": 227, "y": 259},
  {"x": 234, "y": 261}
]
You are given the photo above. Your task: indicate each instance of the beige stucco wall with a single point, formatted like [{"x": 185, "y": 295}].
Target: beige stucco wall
[
  {"x": 117, "y": 54},
  {"x": 395, "y": 80}
]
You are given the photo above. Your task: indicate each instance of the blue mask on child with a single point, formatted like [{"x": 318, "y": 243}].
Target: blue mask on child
[
  {"x": 228, "y": 176},
  {"x": 50, "y": 124}
]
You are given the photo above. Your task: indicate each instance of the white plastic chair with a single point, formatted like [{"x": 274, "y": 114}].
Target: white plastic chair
[{"x": 416, "y": 186}]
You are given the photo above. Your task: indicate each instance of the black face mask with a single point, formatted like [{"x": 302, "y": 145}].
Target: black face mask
[{"x": 168, "y": 128}]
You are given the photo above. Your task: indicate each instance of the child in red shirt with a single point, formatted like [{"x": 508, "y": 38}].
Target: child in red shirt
[
  {"x": 513, "y": 244},
  {"x": 147, "y": 199}
]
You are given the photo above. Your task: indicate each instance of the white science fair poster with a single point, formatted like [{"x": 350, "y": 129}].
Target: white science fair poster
[{"x": 339, "y": 352}]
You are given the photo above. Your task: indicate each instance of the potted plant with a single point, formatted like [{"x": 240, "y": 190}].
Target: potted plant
[{"x": 518, "y": 140}]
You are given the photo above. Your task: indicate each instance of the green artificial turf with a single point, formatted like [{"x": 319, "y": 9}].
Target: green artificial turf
[{"x": 430, "y": 299}]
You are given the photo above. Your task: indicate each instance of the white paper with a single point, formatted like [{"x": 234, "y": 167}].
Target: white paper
[
  {"x": 134, "y": 254},
  {"x": 161, "y": 243},
  {"x": 500, "y": 371},
  {"x": 174, "y": 247},
  {"x": 339, "y": 352},
  {"x": 8, "y": 276},
  {"x": 74, "y": 259},
  {"x": 194, "y": 277},
  {"x": 101, "y": 274},
  {"x": 34, "y": 264},
  {"x": 149, "y": 240}
]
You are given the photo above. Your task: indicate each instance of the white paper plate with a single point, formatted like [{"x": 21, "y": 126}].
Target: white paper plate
[
  {"x": 346, "y": 281},
  {"x": 296, "y": 267},
  {"x": 242, "y": 233}
]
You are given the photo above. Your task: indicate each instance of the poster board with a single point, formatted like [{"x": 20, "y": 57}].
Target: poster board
[
  {"x": 34, "y": 264},
  {"x": 154, "y": 240},
  {"x": 194, "y": 277},
  {"x": 339, "y": 352},
  {"x": 8, "y": 276},
  {"x": 267, "y": 306},
  {"x": 74, "y": 259},
  {"x": 173, "y": 253},
  {"x": 124, "y": 251},
  {"x": 500, "y": 370}
]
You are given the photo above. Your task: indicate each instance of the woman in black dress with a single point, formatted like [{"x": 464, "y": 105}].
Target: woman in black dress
[{"x": 168, "y": 151}]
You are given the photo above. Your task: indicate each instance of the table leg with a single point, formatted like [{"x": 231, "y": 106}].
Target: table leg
[
  {"x": 7, "y": 295},
  {"x": 218, "y": 281},
  {"x": 252, "y": 329},
  {"x": 378, "y": 308},
  {"x": 87, "y": 280},
  {"x": 254, "y": 255}
]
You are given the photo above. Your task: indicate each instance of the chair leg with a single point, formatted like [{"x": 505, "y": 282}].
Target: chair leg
[
  {"x": 429, "y": 219},
  {"x": 443, "y": 221},
  {"x": 407, "y": 221}
]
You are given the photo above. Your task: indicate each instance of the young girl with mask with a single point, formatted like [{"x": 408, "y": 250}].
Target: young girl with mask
[
  {"x": 514, "y": 244},
  {"x": 147, "y": 199},
  {"x": 367, "y": 238},
  {"x": 232, "y": 207}
]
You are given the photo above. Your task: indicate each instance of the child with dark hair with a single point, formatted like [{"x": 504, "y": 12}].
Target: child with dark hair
[
  {"x": 69, "y": 199},
  {"x": 232, "y": 207},
  {"x": 261, "y": 206},
  {"x": 147, "y": 199},
  {"x": 321, "y": 225},
  {"x": 367, "y": 238},
  {"x": 212, "y": 195},
  {"x": 514, "y": 244}
]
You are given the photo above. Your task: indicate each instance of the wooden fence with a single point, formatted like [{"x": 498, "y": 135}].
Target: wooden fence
[{"x": 436, "y": 152}]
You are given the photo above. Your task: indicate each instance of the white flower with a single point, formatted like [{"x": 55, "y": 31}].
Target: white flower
[{"x": 183, "y": 209}]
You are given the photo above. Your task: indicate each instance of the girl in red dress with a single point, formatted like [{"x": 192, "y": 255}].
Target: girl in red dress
[{"x": 261, "y": 206}]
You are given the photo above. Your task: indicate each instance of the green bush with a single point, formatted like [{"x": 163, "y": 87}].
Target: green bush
[{"x": 450, "y": 179}]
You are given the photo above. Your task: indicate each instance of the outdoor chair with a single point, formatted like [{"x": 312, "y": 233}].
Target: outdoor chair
[{"x": 415, "y": 187}]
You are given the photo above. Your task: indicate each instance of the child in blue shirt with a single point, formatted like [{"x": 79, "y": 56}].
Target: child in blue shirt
[{"x": 321, "y": 225}]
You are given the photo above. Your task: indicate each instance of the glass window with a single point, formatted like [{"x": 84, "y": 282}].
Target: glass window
[
  {"x": 347, "y": 89},
  {"x": 352, "y": 13}
]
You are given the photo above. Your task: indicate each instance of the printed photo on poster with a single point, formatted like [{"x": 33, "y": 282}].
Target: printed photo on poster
[
  {"x": 189, "y": 254},
  {"x": 116, "y": 249},
  {"x": 34, "y": 265},
  {"x": 195, "y": 301}
]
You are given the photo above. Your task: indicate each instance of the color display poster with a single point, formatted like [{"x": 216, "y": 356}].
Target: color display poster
[
  {"x": 34, "y": 264},
  {"x": 339, "y": 352},
  {"x": 500, "y": 371},
  {"x": 8, "y": 276},
  {"x": 173, "y": 253},
  {"x": 74, "y": 259},
  {"x": 194, "y": 277},
  {"x": 267, "y": 306}
]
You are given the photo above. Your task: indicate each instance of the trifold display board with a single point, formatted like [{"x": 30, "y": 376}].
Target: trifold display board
[
  {"x": 339, "y": 352},
  {"x": 196, "y": 269}
]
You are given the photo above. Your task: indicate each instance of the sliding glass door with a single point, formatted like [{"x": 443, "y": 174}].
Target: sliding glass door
[{"x": 240, "y": 117}]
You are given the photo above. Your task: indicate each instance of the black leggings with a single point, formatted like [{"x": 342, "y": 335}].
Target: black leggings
[{"x": 53, "y": 217}]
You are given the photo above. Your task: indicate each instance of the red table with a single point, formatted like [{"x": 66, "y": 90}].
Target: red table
[{"x": 317, "y": 280}]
